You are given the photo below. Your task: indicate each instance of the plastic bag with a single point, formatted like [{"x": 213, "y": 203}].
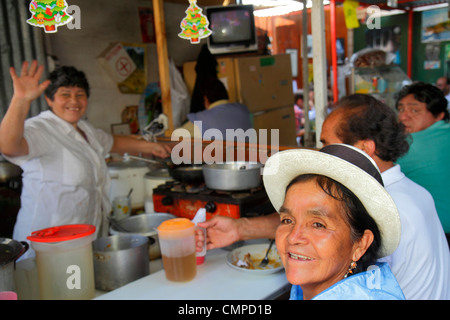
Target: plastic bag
[{"x": 179, "y": 95}]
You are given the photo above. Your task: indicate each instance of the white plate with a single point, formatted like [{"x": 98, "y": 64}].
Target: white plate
[{"x": 257, "y": 253}]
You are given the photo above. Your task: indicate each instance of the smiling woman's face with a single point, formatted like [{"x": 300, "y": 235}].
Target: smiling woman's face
[
  {"x": 314, "y": 238},
  {"x": 69, "y": 103}
]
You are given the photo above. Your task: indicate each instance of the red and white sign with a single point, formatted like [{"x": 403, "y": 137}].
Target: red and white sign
[{"x": 117, "y": 62}]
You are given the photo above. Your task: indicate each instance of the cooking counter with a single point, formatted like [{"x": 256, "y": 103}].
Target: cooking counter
[{"x": 215, "y": 280}]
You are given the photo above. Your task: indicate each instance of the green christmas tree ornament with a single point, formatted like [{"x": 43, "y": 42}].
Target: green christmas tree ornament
[
  {"x": 49, "y": 14},
  {"x": 195, "y": 25}
]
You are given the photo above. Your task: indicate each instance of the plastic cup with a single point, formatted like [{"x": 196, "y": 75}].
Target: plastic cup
[
  {"x": 177, "y": 243},
  {"x": 121, "y": 207},
  {"x": 64, "y": 262}
]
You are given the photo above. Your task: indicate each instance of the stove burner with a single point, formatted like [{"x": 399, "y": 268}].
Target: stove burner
[
  {"x": 240, "y": 195},
  {"x": 184, "y": 200}
]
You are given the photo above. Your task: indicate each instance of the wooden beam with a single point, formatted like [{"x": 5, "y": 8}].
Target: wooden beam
[{"x": 163, "y": 61}]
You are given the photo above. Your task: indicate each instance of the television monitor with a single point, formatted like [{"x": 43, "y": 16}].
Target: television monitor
[{"x": 233, "y": 29}]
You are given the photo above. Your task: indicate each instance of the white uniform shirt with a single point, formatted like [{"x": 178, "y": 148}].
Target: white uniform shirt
[
  {"x": 65, "y": 177},
  {"x": 421, "y": 262}
]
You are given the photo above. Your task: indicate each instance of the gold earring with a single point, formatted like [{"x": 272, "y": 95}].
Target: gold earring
[{"x": 350, "y": 269}]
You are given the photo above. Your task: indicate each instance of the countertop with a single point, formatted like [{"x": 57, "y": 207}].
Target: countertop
[{"x": 215, "y": 280}]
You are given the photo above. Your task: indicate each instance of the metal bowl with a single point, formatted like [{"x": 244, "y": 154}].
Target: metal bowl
[{"x": 145, "y": 225}]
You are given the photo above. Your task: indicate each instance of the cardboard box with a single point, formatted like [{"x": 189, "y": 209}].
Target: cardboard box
[
  {"x": 117, "y": 63},
  {"x": 225, "y": 72},
  {"x": 281, "y": 119},
  {"x": 264, "y": 82}
]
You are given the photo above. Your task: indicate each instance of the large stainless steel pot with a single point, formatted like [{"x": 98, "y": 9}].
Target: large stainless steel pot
[
  {"x": 232, "y": 176},
  {"x": 10, "y": 251},
  {"x": 145, "y": 225},
  {"x": 119, "y": 260}
]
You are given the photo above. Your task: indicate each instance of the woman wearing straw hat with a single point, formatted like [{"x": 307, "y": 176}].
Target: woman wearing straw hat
[{"x": 336, "y": 220}]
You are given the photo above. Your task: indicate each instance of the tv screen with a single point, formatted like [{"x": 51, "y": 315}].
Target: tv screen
[{"x": 233, "y": 29}]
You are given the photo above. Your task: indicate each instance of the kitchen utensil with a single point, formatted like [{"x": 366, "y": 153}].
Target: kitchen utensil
[
  {"x": 256, "y": 252},
  {"x": 187, "y": 173},
  {"x": 64, "y": 262},
  {"x": 119, "y": 259},
  {"x": 232, "y": 176},
  {"x": 117, "y": 225},
  {"x": 129, "y": 193},
  {"x": 265, "y": 261},
  {"x": 144, "y": 224},
  {"x": 177, "y": 241},
  {"x": 127, "y": 157},
  {"x": 10, "y": 251}
]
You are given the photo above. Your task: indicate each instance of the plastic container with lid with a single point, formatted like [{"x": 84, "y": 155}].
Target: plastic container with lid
[
  {"x": 65, "y": 261},
  {"x": 177, "y": 243}
]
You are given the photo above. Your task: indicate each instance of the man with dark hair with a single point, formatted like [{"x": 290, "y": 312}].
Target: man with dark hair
[
  {"x": 422, "y": 108},
  {"x": 220, "y": 114}
]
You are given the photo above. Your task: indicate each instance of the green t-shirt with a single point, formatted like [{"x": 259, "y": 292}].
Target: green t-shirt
[{"x": 428, "y": 164}]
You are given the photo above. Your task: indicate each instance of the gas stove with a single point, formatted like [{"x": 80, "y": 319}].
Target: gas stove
[{"x": 184, "y": 200}]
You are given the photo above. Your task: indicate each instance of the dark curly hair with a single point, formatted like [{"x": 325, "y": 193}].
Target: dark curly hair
[
  {"x": 356, "y": 215},
  {"x": 429, "y": 94},
  {"x": 368, "y": 118},
  {"x": 66, "y": 76}
]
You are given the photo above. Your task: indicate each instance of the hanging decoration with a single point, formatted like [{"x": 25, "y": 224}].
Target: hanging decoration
[
  {"x": 49, "y": 14},
  {"x": 195, "y": 25}
]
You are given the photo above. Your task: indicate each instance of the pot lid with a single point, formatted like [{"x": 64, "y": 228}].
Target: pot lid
[
  {"x": 62, "y": 233},
  {"x": 10, "y": 250}
]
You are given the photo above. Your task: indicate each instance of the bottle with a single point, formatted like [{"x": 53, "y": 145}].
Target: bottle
[{"x": 200, "y": 216}]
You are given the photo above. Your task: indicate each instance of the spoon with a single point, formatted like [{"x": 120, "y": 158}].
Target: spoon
[
  {"x": 129, "y": 193},
  {"x": 265, "y": 261}
]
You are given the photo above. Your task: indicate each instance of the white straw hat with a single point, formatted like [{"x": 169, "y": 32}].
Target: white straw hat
[{"x": 347, "y": 165}]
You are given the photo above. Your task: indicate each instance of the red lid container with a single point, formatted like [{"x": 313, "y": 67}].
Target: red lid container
[{"x": 62, "y": 233}]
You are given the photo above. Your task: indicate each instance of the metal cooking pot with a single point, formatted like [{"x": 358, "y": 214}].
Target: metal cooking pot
[
  {"x": 145, "y": 225},
  {"x": 10, "y": 251},
  {"x": 120, "y": 259},
  {"x": 232, "y": 176}
]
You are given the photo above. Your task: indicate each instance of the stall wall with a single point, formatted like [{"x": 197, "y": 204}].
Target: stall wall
[{"x": 104, "y": 22}]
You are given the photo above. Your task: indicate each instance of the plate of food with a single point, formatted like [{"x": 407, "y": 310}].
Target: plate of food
[{"x": 247, "y": 259}]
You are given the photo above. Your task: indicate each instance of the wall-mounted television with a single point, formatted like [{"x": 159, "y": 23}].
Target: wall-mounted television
[{"x": 233, "y": 29}]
